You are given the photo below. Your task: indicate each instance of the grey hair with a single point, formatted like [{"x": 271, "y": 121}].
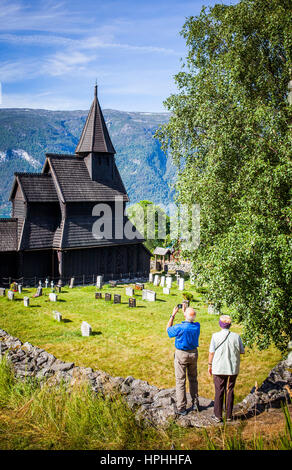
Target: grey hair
[{"x": 190, "y": 317}]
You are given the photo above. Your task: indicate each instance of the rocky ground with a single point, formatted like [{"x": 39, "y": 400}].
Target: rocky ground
[{"x": 149, "y": 403}]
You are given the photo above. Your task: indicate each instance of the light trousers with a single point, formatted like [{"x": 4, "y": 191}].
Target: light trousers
[{"x": 185, "y": 365}]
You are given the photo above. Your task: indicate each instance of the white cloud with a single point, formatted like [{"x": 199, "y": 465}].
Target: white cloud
[
  {"x": 47, "y": 100},
  {"x": 65, "y": 63}
]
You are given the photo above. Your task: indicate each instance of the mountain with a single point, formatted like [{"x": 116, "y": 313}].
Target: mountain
[{"x": 27, "y": 134}]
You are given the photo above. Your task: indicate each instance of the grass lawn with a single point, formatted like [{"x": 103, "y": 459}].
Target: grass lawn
[{"x": 125, "y": 341}]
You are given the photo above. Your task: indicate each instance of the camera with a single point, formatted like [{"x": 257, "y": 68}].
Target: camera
[{"x": 179, "y": 306}]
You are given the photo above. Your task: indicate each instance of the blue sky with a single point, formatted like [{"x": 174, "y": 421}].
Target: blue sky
[{"x": 51, "y": 52}]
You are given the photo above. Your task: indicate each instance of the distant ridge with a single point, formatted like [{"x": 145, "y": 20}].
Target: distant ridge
[{"x": 27, "y": 134}]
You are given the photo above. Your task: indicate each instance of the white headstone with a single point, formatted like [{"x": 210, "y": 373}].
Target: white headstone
[
  {"x": 156, "y": 280},
  {"x": 151, "y": 277},
  {"x": 181, "y": 283},
  {"x": 40, "y": 283},
  {"x": 39, "y": 291},
  {"x": 166, "y": 290},
  {"x": 99, "y": 282},
  {"x": 46, "y": 283},
  {"x": 129, "y": 291},
  {"x": 213, "y": 310},
  {"x": 52, "y": 284},
  {"x": 149, "y": 295},
  {"x": 169, "y": 282},
  {"x": 10, "y": 294},
  {"x": 26, "y": 301},
  {"x": 86, "y": 329},
  {"x": 162, "y": 281},
  {"x": 57, "y": 316},
  {"x": 2, "y": 291},
  {"x": 19, "y": 288},
  {"x": 72, "y": 282},
  {"x": 53, "y": 297},
  {"x": 192, "y": 278}
]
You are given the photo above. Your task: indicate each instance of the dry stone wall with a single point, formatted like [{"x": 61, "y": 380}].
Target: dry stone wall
[{"x": 149, "y": 403}]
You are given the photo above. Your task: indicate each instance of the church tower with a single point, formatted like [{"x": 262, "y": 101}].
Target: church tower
[{"x": 96, "y": 146}]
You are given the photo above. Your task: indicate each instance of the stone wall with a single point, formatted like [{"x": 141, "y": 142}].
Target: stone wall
[
  {"x": 149, "y": 403},
  {"x": 174, "y": 265}
]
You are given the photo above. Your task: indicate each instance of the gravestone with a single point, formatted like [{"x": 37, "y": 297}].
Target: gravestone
[
  {"x": 179, "y": 272},
  {"x": 98, "y": 295},
  {"x": 10, "y": 295},
  {"x": 181, "y": 283},
  {"x": 117, "y": 299},
  {"x": 156, "y": 280},
  {"x": 58, "y": 289},
  {"x": 86, "y": 329},
  {"x": 2, "y": 291},
  {"x": 72, "y": 282},
  {"x": 129, "y": 291},
  {"x": 166, "y": 290},
  {"x": 53, "y": 297},
  {"x": 46, "y": 283},
  {"x": 149, "y": 295},
  {"x": 151, "y": 277},
  {"x": 212, "y": 310},
  {"x": 52, "y": 284},
  {"x": 40, "y": 283},
  {"x": 139, "y": 286},
  {"x": 162, "y": 281},
  {"x": 132, "y": 302},
  {"x": 107, "y": 296},
  {"x": 99, "y": 282},
  {"x": 39, "y": 292},
  {"x": 112, "y": 283},
  {"x": 57, "y": 315},
  {"x": 192, "y": 278},
  {"x": 19, "y": 288},
  {"x": 26, "y": 301},
  {"x": 169, "y": 282}
]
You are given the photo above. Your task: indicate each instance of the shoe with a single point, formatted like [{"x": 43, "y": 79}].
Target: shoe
[
  {"x": 195, "y": 407},
  {"x": 217, "y": 420},
  {"x": 182, "y": 412}
]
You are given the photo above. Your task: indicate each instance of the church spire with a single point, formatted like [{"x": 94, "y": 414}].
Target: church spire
[{"x": 95, "y": 137}]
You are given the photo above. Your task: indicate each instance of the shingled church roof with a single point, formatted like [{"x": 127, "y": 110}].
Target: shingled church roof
[
  {"x": 8, "y": 234},
  {"x": 95, "y": 136},
  {"x": 74, "y": 182},
  {"x": 36, "y": 187}
]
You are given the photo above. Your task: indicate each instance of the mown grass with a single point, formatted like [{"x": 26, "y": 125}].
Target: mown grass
[
  {"x": 125, "y": 341},
  {"x": 62, "y": 417}
]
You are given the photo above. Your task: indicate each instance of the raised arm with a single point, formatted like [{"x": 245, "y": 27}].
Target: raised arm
[{"x": 172, "y": 316}]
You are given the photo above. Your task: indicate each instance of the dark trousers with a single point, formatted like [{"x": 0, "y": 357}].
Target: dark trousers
[{"x": 224, "y": 386}]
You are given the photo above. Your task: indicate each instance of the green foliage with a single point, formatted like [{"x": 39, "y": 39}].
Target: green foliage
[
  {"x": 70, "y": 417},
  {"x": 230, "y": 135},
  {"x": 142, "y": 214},
  {"x": 188, "y": 296}
]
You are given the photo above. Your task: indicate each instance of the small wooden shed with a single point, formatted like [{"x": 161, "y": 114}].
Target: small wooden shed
[{"x": 163, "y": 254}]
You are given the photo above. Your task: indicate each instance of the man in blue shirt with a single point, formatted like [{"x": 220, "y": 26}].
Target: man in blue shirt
[{"x": 186, "y": 336}]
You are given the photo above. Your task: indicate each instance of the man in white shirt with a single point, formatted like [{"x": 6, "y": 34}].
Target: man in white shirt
[{"x": 224, "y": 360}]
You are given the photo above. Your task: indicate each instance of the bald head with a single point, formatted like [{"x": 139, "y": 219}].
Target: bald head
[{"x": 190, "y": 314}]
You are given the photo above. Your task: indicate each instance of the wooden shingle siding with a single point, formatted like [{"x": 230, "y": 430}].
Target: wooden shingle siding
[
  {"x": 8, "y": 234},
  {"x": 76, "y": 185},
  {"x": 95, "y": 136},
  {"x": 37, "y": 187}
]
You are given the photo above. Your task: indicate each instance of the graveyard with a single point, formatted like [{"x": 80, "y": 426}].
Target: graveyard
[{"x": 120, "y": 329}]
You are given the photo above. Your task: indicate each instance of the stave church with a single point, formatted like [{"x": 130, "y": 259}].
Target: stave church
[{"x": 50, "y": 233}]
